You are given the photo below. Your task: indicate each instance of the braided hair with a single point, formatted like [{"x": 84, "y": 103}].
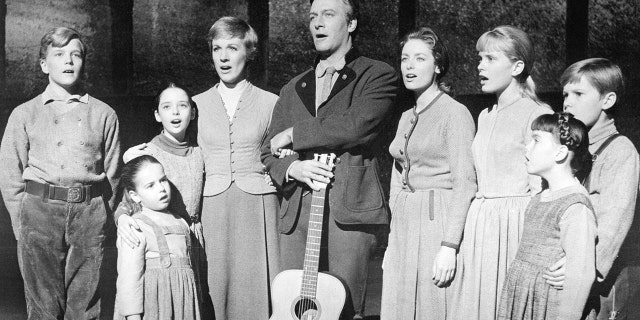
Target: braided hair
[{"x": 571, "y": 133}]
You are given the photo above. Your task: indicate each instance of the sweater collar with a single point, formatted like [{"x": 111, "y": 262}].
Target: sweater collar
[
  {"x": 601, "y": 132},
  {"x": 176, "y": 148}
]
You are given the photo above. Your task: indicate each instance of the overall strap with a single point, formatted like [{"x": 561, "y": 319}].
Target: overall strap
[
  {"x": 163, "y": 247},
  {"x": 182, "y": 229},
  {"x": 596, "y": 154},
  {"x": 604, "y": 145}
]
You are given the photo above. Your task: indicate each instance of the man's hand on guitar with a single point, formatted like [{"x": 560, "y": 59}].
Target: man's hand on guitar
[
  {"x": 308, "y": 171},
  {"x": 444, "y": 267}
]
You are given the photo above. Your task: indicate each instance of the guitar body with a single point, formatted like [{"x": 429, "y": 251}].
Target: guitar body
[{"x": 288, "y": 304}]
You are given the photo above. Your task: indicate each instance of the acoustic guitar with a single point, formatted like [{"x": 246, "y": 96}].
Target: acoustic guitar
[{"x": 308, "y": 294}]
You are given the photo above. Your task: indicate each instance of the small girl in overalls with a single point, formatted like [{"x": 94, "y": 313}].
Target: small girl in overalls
[
  {"x": 155, "y": 279},
  {"x": 559, "y": 222}
]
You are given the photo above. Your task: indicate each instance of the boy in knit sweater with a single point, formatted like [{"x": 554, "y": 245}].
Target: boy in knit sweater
[
  {"x": 591, "y": 89},
  {"x": 59, "y": 156}
]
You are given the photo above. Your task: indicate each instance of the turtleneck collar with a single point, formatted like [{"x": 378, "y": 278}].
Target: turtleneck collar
[
  {"x": 602, "y": 131},
  {"x": 182, "y": 149}
]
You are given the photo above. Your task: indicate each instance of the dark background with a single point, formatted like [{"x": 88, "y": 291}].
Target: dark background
[{"x": 135, "y": 46}]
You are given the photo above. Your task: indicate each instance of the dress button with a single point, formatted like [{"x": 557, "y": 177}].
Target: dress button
[
  {"x": 62, "y": 166},
  {"x": 232, "y": 151},
  {"x": 401, "y": 151},
  {"x": 413, "y": 120},
  {"x": 82, "y": 143},
  {"x": 231, "y": 142},
  {"x": 406, "y": 136},
  {"x": 55, "y": 121},
  {"x": 79, "y": 119},
  {"x": 59, "y": 143}
]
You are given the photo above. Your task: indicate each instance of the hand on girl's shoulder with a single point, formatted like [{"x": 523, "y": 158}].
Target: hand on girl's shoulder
[{"x": 134, "y": 152}]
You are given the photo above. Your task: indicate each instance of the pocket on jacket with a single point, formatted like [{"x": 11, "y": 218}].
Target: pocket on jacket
[{"x": 363, "y": 191}]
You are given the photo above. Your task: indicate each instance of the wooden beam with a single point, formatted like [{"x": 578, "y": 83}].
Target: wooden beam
[
  {"x": 122, "y": 45},
  {"x": 577, "y": 30},
  {"x": 407, "y": 11},
  {"x": 258, "y": 13}
]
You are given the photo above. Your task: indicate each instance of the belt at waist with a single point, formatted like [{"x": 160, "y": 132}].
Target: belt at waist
[
  {"x": 68, "y": 194},
  {"x": 159, "y": 262}
]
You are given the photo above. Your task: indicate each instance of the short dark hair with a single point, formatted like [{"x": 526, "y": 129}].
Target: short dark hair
[{"x": 59, "y": 37}]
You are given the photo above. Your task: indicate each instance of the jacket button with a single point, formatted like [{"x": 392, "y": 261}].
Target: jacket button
[{"x": 401, "y": 151}]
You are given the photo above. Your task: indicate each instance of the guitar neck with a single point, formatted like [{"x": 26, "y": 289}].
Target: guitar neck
[{"x": 314, "y": 239}]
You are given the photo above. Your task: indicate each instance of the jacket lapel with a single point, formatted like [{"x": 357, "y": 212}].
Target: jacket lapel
[
  {"x": 306, "y": 89},
  {"x": 345, "y": 76}
]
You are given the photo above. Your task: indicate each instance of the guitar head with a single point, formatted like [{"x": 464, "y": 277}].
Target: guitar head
[{"x": 328, "y": 159}]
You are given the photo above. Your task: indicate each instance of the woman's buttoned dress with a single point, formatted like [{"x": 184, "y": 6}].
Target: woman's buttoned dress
[
  {"x": 433, "y": 183},
  {"x": 239, "y": 206}
]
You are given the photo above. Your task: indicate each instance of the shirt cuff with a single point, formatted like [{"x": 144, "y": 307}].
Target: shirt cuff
[
  {"x": 287, "y": 178},
  {"x": 450, "y": 245}
]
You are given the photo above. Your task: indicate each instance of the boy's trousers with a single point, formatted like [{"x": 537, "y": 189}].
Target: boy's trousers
[{"x": 60, "y": 252}]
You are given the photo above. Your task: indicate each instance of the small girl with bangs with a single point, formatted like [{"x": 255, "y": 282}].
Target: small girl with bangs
[
  {"x": 559, "y": 222},
  {"x": 155, "y": 279},
  {"x": 494, "y": 223}
]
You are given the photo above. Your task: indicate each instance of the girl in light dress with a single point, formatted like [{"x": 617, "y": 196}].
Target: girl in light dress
[
  {"x": 494, "y": 223},
  {"x": 155, "y": 278}
]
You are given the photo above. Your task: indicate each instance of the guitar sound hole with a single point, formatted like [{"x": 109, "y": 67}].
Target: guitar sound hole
[{"x": 306, "y": 309}]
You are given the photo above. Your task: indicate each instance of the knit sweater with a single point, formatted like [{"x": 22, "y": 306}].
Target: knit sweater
[
  {"x": 613, "y": 188},
  {"x": 433, "y": 151},
  {"x": 78, "y": 147},
  {"x": 186, "y": 174}
]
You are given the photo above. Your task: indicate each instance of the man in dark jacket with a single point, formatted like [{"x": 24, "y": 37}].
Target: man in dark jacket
[{"x": 336, "y": 107}]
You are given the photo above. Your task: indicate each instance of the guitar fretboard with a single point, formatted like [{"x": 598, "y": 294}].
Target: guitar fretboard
[{"x": 314, "y": 238}]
